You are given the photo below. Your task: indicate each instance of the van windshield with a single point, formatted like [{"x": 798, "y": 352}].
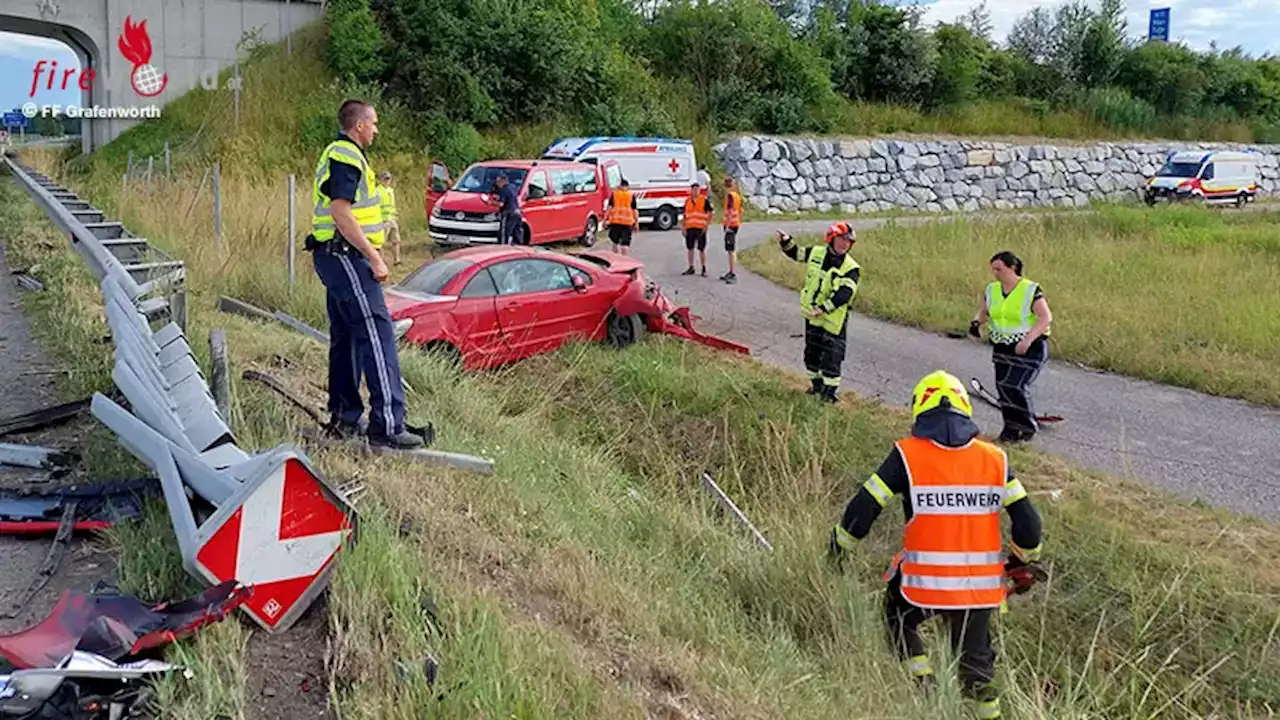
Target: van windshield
[
  {"x": 480, "y": 179},
  {"x": 1182, "y": 170}
]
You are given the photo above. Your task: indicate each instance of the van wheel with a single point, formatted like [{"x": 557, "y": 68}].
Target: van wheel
[
  {"x": 665, "y": 218},
  {"x": 1241, "y": 199},
  {"x": 588, "y": 238},
  {"x": 623, "y": 330}
]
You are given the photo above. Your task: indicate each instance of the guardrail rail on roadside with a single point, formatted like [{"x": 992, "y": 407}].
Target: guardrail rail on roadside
[{"x": 277, "y": 524}]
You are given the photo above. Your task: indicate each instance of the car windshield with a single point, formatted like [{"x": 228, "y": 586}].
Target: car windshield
[
  {"x": 1182, "y": 170},
  {"x": 480, "y": 179},
  {"x": 431, "y": 278}
]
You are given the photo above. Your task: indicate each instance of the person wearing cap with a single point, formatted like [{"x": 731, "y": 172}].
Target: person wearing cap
[
  {"x": 953, "y": 486},
  {"x": 389, "y": 224},
  {"x": 697, "y": 215},
  {"x": 830, "y": 282}
]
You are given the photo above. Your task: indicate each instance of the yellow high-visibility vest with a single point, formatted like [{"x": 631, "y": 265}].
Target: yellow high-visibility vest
[
  {"x": 820, "y": 285},
  {"x": 367, "y": 206},
  {"x": 1011, "y": 318}
]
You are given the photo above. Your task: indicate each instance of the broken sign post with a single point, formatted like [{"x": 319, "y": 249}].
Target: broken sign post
[{"x": 733, "y": 510}]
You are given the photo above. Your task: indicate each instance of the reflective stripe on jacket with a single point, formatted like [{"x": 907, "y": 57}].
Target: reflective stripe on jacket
[
  {"x": 820, "y": 285},
  {"x": 367, "y": 207},
  {"x": 951, "y": 549}
]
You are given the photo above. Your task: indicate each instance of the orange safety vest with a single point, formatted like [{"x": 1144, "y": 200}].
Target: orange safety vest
[
  {"x": 732, "y": 215},
  {"x": 620, "y": 212},
  {"x": 951, "y": 549},
  {"x": 695, "y": 213}
]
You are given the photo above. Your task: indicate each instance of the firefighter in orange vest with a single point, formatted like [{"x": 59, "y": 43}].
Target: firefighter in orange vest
[
  {"x": 697, "y": 215},
  {"x": 732, "y": 221},
  {"x": 953, "y": 486},
  {"x": 622, "y": 217}
]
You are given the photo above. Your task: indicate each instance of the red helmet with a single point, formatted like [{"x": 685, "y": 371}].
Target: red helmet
[{"x": 838, "y": 229}]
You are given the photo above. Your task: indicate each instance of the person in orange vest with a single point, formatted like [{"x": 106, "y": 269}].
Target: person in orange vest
[
  {"x": 622, "y": 217},
  {"x": 953, "y": 486},
  {"x": 731, "y": 222},
  {"x": 697, "y": 215}
]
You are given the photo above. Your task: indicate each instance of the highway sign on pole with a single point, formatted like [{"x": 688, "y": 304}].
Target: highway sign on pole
[
  {"x": 15, "y": 119},
  {"x": 1159, "y": 26}
]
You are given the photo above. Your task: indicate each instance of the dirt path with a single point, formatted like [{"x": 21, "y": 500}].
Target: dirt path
[
  {"x": 23, "y": 388},
  {"x": 1222, "y": 451}
]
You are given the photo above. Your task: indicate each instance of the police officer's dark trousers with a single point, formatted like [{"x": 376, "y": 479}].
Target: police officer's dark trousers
[
  {"x": 510, "y": 228},
  {"x": 970, "y": 632},
  {"x": 824, "y": 356},
  {"x": 1014, "y": 375},
  {"x": 361, "y": 341}
]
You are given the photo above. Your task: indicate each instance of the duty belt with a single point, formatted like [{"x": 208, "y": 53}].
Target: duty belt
[{"x": 336, "y": 246}]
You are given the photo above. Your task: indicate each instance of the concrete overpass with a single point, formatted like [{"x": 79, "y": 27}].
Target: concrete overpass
[{"x": 191, "y": 40}]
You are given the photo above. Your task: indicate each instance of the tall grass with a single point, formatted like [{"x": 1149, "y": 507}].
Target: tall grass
[
  {"x": 590, "y": 577},
  {"x": 1185, "y": 296}
]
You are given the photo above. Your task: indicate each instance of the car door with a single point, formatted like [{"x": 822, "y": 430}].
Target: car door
[
  {"x": 538, "y": 307},
  {"x": 537, "y": 205},
  {"x": 438, "y": 183},
  {"x": 480, "y": 338}
]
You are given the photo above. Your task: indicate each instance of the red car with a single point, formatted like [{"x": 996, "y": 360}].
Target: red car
[{"x": 493, "y": 305}]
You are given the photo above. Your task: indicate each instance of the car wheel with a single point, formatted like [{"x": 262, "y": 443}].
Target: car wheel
[
  {"x": 1150, "y": 199},
  {"x": 1241, "y": 199},
  {"x": 446, "y": 352},
  {"x": 623, "y": 330},
  {"x": 588, "y": 238},
  {"x": 665, "y": 218}
]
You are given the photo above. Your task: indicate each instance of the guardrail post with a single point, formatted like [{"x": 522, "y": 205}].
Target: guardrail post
[
  {"x": 220, "y": 372},
  {"x": 292, "y": 231},
  {"x": 151, "y": 166},
  {"x": 217, "y": 207},
  {"x": 168, "y": 168}
]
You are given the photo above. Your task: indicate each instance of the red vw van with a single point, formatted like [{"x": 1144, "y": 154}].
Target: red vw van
[{"x": 559, "y": 200}]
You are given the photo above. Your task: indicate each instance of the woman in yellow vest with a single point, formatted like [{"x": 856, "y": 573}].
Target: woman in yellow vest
[{"x": 1018, "y": 318}]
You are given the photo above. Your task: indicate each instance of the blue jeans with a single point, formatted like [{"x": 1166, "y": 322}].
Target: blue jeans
[{"x": 361, "y": 342}]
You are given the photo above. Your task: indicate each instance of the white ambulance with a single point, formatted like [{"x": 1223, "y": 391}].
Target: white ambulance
[
  {"x": 1222, "y": 176},
  {"x": 658, "y": 170}
]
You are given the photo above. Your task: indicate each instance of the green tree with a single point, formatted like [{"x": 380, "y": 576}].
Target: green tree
[
  {"x": 355, "y": 46},
  {"x": 961, "y": 57}
]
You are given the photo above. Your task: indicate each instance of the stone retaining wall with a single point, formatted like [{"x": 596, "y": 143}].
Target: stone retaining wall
[{"x": 866, "y": 175}]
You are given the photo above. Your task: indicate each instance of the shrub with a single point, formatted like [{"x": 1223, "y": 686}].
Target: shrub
[{"x": 355, "y": 48}]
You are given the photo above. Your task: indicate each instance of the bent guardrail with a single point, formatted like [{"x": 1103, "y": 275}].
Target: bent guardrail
[{"x": 277, "y": 524}]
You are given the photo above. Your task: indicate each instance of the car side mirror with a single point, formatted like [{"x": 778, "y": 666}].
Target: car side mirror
[{"x": 579, "y": 283}]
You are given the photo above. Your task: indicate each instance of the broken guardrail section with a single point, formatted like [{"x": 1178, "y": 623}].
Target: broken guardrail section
[{"x": 277, "y": 524}]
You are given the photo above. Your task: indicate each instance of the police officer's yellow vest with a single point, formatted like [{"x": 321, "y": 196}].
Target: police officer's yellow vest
[
  {"x": 388, "y": 202},
  {"x": 1011, "y": 317},
  {"x": 820, "y": 285},
  {"x": 367, "y": 207}
]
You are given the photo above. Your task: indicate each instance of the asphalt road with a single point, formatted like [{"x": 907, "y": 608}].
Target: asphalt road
[{"x": 1222, "y": 451}]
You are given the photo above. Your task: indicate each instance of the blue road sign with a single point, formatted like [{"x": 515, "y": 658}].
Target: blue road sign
[
  {"x": 15, "y": 119},
  {"x": 1159, "y": 27}
]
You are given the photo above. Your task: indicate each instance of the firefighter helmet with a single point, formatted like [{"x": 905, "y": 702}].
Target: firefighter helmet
[{"x": 936, "y": 388}]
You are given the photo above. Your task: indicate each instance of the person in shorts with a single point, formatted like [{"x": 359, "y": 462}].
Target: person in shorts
[
  {"x": 697, "y": 215},
  {"x": 731, "y": 222},
  {"x": 622, "y": 217}
]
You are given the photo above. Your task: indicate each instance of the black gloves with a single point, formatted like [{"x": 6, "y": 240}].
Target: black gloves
[{"x": 974, "y": 329}]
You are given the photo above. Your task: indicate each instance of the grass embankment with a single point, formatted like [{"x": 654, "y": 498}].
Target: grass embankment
[
  {"x": 589, "y": 577},
  {"x": 1184, "y": 296}
]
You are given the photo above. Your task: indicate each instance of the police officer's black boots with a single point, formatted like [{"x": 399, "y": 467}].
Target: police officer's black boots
[{"x": 403, "y": 440}]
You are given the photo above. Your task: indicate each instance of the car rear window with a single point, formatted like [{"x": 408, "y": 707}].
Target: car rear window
[{"x": 431, "y": 278}]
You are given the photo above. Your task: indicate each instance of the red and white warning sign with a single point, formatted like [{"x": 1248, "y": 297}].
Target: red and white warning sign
[{"x": 281, "y": 536}]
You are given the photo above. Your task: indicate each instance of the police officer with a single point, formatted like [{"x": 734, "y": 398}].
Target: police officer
[
  {"x": 830, "y": 282},
  {"x": 347, "y": 232},
  {"x": 953, "y": 487},
  {"x": 1018, "y": 318}
]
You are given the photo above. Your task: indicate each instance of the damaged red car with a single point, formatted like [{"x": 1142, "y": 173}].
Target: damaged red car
[{"x": 489, "y": 306}]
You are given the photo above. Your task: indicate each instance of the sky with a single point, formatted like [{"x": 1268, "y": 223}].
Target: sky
[
  {"x": 1250, "y": 24},
  {"x": 18, "y": 57}
]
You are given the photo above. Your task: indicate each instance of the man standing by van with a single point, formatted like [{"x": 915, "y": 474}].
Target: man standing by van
[{"x": 509, "y": 218}]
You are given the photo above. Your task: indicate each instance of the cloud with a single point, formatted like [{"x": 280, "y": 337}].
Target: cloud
[
  {"x": 1248, "y": 23},
  {"x": 35, "y": 48}
]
